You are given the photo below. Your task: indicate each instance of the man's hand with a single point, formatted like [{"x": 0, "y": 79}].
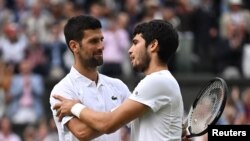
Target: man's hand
[
  {"x": 184, "y": 133},
  {"x": 64, "y": 107}
]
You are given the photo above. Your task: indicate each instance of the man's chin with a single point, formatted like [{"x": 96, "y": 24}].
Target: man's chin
[
  {"x": 139, "y": 68},
  {"x": 97, "y": 62},
  {"x": 100, "y": 62},
  {"x": 136, "y": 69}
]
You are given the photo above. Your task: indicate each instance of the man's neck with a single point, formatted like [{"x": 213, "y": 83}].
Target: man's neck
[
  {"x": 90, "y": 73},
  {"x": 155, "y": 67}
]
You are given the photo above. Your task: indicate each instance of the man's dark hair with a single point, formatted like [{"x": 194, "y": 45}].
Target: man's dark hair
[
  {"x": 164, "y": 33},
  {"x": 74, "y": 28}
]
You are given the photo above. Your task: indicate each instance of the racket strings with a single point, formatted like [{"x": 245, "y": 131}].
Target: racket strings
[{"x": 207, "y": 107}]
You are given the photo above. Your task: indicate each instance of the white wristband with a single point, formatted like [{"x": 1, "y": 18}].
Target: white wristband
[{"x": 76, "y": 109}]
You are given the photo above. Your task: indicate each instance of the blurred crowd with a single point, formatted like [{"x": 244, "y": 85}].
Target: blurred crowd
[{"x": 214, "y": 38}]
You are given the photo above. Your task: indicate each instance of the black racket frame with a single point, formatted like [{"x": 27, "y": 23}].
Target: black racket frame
[{"x": 225, "y": 87}]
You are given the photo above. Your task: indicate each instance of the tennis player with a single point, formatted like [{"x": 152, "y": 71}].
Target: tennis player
[
  {"x": 84, "y": 83},
  {"x": 154, "y": 111}
]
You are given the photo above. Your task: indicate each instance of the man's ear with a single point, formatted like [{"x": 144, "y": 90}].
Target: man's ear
[
  {"x": 154, "y": 45},
  {"x": 74, "y": 46}
]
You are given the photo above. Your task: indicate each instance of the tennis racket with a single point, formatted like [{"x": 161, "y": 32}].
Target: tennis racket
[{"x": 206, "y": 108}]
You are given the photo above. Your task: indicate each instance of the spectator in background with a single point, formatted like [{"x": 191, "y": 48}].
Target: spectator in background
[
  {"x": 184, "y": 11},
  {"x": 70, "y": 9},
  {"x": 56, "y": 10},
  {"x": 234, "y": 110},
  {"x": 37, "y": 22},
  {"x": 42, "y": 130},
  {"x": 13, "y": 45},
  {"x": 151, "y": 10},
  {"x": 6, "y": 73},
  {"x": 98, "y": 9},
  {"x": 36, "y": 53},
  {"x": 169, "y": 14},
  {"x": 55, "y": 49},
  {"x": 246, "y": 103},
  {"x": 179, "y": 13},
  {"x": 134, "y": 10},
  {"x": 26, "y": 93},
  {"x": 6, "y": 15},
  {"x": 236, "y": 99},
  {"x": 116, "y": 45},
  {"x": 52, "y": 131},
  {"x": 234, "y": 29},
  {"x": 20, "y": 10},
  {"x": 204, "y": 27},
  {"x": 6, "y": 133},
  {"x": 229, "y": 114},
  {"x": 29, "y": 133}
]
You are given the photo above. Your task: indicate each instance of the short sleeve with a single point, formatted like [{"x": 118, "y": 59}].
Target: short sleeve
[
  {"x": 152, "y": 91},
  {"x": 64, "y": 92}
]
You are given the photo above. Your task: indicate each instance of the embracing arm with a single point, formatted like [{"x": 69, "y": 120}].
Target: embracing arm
[
  {"x": 104, "y": 122},
  {"x": 81, "y": 130},
  {"x": 78, "y": 128},
  {"x": 108, "y": 122}
]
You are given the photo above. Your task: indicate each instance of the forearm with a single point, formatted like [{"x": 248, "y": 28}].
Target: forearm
[
  {"x": 81, "y": 130},
  {"x": 101, "y": 121},
  {"x": 109, "y": 122}
]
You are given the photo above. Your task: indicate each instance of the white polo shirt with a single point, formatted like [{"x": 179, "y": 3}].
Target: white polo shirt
[
  {"x": 159, "y": 91},
  {"x": 106, "y": 95}
]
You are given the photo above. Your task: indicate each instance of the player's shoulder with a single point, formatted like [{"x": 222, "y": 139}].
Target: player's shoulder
[
  {"x": 65, "y": 87},
  {"x": 63, "y": 83},
  {"x": 161, "y": 77}
]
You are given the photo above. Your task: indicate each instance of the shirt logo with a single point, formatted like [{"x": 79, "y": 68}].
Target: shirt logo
[
  {"x": 114, "y": 98},
  {"x": 136, "y": 93}
]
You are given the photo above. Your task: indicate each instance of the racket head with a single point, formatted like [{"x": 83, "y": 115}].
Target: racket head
[{"x": 207, "y": 107}]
